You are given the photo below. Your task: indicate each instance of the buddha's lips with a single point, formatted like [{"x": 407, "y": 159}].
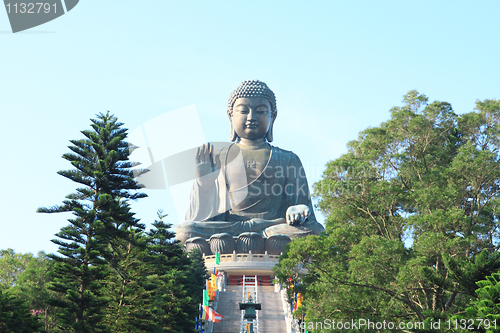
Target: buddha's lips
[{"x": 251, "y": 126}]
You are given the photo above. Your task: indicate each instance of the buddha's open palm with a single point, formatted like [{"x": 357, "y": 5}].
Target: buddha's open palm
[
  {"x": 297, "y": 214},
  {"x": 204, "y": 165}
]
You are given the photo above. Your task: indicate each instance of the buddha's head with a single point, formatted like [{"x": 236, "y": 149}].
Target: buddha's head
[{"x": 252, "y": 110}]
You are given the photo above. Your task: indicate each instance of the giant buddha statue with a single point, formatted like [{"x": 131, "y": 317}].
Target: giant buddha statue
[{"x": 249, "y": 195}]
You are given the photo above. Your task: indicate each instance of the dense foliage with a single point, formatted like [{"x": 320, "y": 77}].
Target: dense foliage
[
  {"x": 412, "y": 219},
  {"x": 486, "y": 308},
  {"x": 176, "y": 281},
  {"x": 15, "y": 315}
]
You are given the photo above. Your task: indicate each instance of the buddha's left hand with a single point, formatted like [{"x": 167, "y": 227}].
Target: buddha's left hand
[{"x": 297, "y": 214}]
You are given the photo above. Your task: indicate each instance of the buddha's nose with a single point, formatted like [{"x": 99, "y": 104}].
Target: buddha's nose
[{"x": 251, "y": 115}]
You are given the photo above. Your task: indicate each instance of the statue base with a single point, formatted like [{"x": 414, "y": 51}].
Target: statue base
[
  {"x": 237, "y": 264},
  {"x": 247, "y": 254},
  {"x": 247, "y": 242}
]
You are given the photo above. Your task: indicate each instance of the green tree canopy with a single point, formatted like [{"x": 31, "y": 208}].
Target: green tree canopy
[
  {"x": 412, "y": 217},
  {"x": 33, "y": 285},
  {"x": 12, "y": 265}
]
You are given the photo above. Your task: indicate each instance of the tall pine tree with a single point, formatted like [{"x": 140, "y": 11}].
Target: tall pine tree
[
  {"x": 101, "y": 219},
  {"x": 128, "y": 309},
  {"x": 176, "y": 281}
]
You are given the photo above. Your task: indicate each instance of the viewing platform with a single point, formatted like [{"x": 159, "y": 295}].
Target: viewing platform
[{"x": 243, "y": 263}]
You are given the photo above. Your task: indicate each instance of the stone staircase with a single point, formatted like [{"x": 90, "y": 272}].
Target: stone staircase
[
  {"x": 271, "y": 317},
  {"x": 228, "y": 306}
]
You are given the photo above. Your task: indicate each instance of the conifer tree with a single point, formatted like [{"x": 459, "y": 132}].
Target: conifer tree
[
  {"x": 196, "y": 279},
  {"x": 125, "y": 286},
  {"x": 195, "y": 284},
  {"x": 486, "y": 309},
  {"x": 173, "y": 281},
  {"x": 15, "y": 315},
  {"x": 101, "y": 218}
]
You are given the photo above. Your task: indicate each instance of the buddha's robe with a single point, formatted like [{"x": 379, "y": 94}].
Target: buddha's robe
[{"x": 235, "y": 203}]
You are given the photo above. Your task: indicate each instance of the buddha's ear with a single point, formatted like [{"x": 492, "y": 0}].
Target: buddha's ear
[
  {"x": 233, "y": 136},
  {"x": 269, "y": 135}
]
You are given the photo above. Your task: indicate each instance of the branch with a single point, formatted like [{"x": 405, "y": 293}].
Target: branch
[{"x": 450, "y": 300}]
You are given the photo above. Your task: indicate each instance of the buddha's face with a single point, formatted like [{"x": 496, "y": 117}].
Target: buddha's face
[{"x": 251, "y": 117}]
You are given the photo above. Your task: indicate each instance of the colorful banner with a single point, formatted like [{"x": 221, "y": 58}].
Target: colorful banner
[
  {"x": 205, "y": 297},
  {"x": 210, "y": 290},
  {"x": 204, "y": 314},
  {"x": 214, "y": 282},
  {"x": 299, "y": 300},
  {"x": 210, "y": 315}
]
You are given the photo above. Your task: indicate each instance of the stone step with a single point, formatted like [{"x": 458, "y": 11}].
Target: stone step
[
  {"x": 228, "y": 306},
  {"x": 271, "y": 317}
]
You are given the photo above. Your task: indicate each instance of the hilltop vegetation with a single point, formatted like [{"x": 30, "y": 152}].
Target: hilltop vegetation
[{"x": 412, "y": 221}]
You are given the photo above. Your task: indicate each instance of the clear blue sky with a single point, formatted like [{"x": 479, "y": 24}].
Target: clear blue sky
[{"x": 336, "y": 68}]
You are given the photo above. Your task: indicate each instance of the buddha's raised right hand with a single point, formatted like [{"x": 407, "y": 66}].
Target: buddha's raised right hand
[{"x": 205, "y": 174}]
